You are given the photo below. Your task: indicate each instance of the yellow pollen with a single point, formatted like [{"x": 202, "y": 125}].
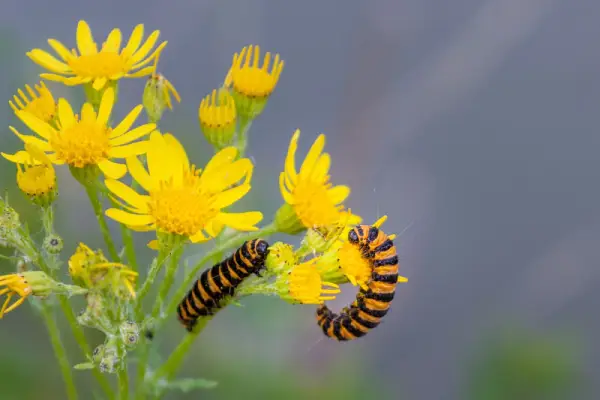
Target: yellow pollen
[
  {"x": 36, "y": 180},
  {"x": 353, "y": 264},
  {"x": 313, "y": 205},
  {"x": 103, "y": 64},
  {"x": 82, "y": 144},
  {"x": 182, "y": 209}
]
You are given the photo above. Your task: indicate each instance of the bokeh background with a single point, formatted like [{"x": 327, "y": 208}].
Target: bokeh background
[{"x": 472, "y": 123}]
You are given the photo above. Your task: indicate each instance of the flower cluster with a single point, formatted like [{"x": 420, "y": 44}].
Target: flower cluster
[{"x": 142, "y": 177}]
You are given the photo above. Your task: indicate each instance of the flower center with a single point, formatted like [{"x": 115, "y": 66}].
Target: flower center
[
  {"x": 353, "y": 263},
  {"x": 313, "y": 205},
  {"x": 182, "y": 209},
  {"x": 36, "y": 180},
  {"x": 253, "y": 82},
  {"x": 82, "y": 144},
  {"x": 102, "y": 64}
]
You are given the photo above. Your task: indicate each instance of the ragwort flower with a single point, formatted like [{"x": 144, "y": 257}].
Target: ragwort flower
[
  {"x": 253, "y": 84},
  {"x": 14, "y": 285},
  {"x": 311, "y": 199},
  {"x": 303, "y": 284},
  {"x": 218, "y": 118},
  {"x": 87, "y": 140},
  {"x": 183, "y": 200},
  {"x": 95, "y": 67},
  {"x": 36, "y": 177},
  {"x": 40, "y": 104}
]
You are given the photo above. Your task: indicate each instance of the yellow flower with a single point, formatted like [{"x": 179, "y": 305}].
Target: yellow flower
[
  {"x": 217, "y": 117},
  {"x": 183, "y": 200},
  {"x": 36, "y": 178},
  {"x": 311, "y": 199},
  {"x": 303, "y": 284},
  {"x": 281, "y": 257},
  {"x": 11, "y": 285},
  {"x": 88, "y": 140},
  {"x": 111, "y": 63},
  {"x": 253, "y": 84},
  {"x": 40, "y": 104},
  {"x": 92, "y": 270}
]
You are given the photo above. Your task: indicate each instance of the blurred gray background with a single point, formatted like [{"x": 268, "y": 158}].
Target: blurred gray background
[{"x": 472, "y": 123}]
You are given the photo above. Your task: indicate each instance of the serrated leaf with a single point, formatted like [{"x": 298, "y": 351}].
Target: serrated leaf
[
  {"x": 84, "y": 366},
  {"x": 189, "y": 384}
]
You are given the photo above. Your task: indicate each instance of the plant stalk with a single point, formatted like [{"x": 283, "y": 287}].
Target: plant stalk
[{"x": 97, "y": 206}]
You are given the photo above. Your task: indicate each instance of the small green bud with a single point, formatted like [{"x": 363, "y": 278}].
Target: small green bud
[
  {"x": 53, "y": 244},
  {"x": 130, "y": 333},
  {"x": 281, "y": 257},
  {"x": 157, "y": 96}
]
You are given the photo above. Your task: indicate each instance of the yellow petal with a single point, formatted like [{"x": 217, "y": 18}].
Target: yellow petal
[
  {"x": 49, "y": 62},
  {"x": 222, "y": 158},
  {"x": 338, "y": 194},
  {"x": 85, "y": 40},
  {"x": 153, "y": 244},
  {"x": 313, "y": 154},
  {"x": 60, "y": 49},
  {"x": 146, "y": 47},
  {"x": 151, "y": 57},
  {"x": 218, "y": 180},
  {"x": 128, "y": 194},
  {"x": 88, "y": 114},
  {"x": 158, "y": 161},
  {"x": 139, "y": 173},
  {"x": 245, "y": 221},
  {"x": 132, "y": 135},
  {"x": 133, "y": 149},
  {"x": 112, "y": 169},
  {"x": 106, "y": 105},
  {"x": 287, "y": 196},
  {"x": 40, "y": 127},
  {"x": 65, "y": 114},
  {"x": 144, "y": 228},
  {"x": 127, "y": 122},
  {"x": 230, "y": 196},
  {"x": 69, "y": 81},
  {"x": 321, "y": 170},
  {"x": 142, "y": 72},
  {"x": 290, "y": 159},
  {"x": 99, "y": 83},
  {"x": 134, "y": 40},
  {"x": 178, "y": 154},
  {"x": 20, "y": 157},
  {"x": 37, "y": 154},
  {"x": 113, "y": 41},
  {"x": 32, "y": 139},
  {"x": 129, "y": 219},
  {"x": 199, "y": 237}
]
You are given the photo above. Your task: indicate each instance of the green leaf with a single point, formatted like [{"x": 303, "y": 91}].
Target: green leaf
[{"x": 189, "y": 384}]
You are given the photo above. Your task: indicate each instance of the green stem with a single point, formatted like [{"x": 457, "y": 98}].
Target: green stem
[
  {"x": 123, "y": 379},
  {"x": 171, "y": 366},
  {"x": 59, "y": 350},
  {"x": 152, "y": 274},
  {"x": 83, "y": 345},
  {"x": 232, "y": 242},
  {"x": 167, "y": 282},
  {"x": 129, "y": 247},
  {"x": 97, "y": 206}
]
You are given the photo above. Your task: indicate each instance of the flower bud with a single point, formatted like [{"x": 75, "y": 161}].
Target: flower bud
[
  {"x": 53, "y": 244},
  {"x": 218, "y": 118},
  {"x": 130, "y": 333}
]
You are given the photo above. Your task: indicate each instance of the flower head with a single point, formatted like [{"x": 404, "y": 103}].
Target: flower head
[
  {"x": 281, "y": 257},
  {"x": 311, "y": 199},
  {"x": 183, "y": 200},
  {"x": 88, "y": 65},
  {"x": 87, "y": 140},
  {"x": 157, "y": 94},
  {"x": 253, "y": 83},
  {"x": 92, "y": 270},
  {"x": 40, "y": 104},
  {"x": 13, "y": 285},
  {"x": 218, "y": 118},
  {"x": 303, "y": 284},
  {"x": 36, "y": 178}
]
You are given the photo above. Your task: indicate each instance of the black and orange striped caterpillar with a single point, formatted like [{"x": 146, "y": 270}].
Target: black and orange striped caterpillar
[
  {"x": 373, "y": 302},
  {"x": 220, "y": 281}
]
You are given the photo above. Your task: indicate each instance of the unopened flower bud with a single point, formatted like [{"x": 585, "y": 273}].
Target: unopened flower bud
[
  {"x": 130, "y": 333},
  {"x": 53, "y": 244}
]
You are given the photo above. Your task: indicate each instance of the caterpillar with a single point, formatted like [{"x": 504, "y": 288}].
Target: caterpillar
[
  {"x": 373, "y": 301},
  {"x": 220, "y": 281}
]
